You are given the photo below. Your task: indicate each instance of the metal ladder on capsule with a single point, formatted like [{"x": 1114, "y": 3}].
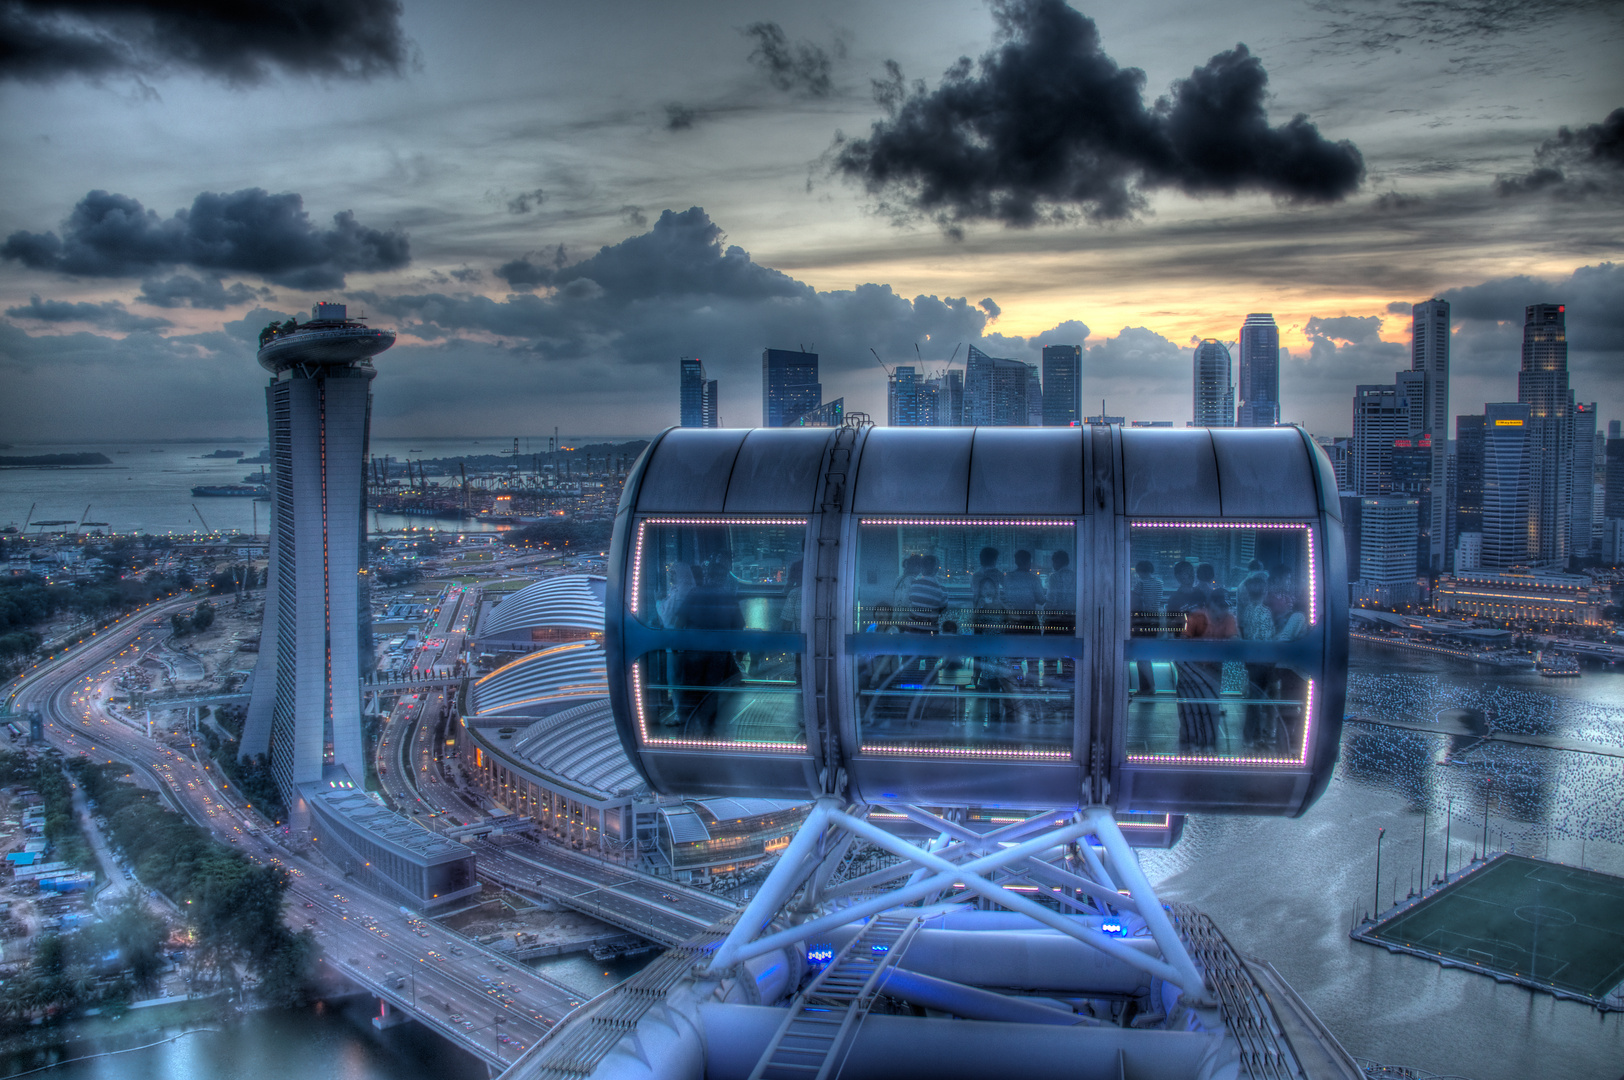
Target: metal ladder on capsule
[{"x": 822, "y": 1020}]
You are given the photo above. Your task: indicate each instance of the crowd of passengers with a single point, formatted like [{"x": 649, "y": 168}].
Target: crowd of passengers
[
  {"x": 1264, "y": 608},
  {"x": 1018, "y": 601},
  {"x": 1001, "y": 689}
]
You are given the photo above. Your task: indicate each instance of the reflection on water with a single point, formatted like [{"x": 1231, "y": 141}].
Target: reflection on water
[
  {"x": 590, "y": 977},
  {"x": 324, "y": 1042},
  {"x": 1287, "y": 890}
]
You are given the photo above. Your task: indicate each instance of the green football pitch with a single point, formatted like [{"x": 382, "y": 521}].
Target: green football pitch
[{"x": 1549, "y": 924}]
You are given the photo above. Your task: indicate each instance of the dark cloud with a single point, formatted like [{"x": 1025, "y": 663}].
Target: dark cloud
[
  {"x": 634, "y": 216},
  {"x": 1459, "y": 35},
  {"x": 248, "y": 231},
  {"x": 1576, "y": 163},
  {"x": 242, "y": 42},
  {"x": 1400, "y": 307},
  {"x": 990, "y": 307},
  {"x": 1594, "y": 296},
  {"x": 524, "y": 273},
  {"x": 1048, "y": 127},
  {"x": 797, "y": 68},
  {"x": 1354, "y": 329},
  {"x": 679, "y": 117},
  {"x": 109, "y": 315},
  {"x": 526, "y": 201},
  {"x": 468, "y": 275},
  {"x": 183, "y": 290},
  {"x": 1390, "y": 201}
]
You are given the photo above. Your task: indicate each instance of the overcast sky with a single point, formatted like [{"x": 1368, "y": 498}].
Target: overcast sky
[{"x": 551, "y": 203}]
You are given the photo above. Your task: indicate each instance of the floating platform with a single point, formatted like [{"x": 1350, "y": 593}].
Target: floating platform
[{"x": 1543, "y": 925}]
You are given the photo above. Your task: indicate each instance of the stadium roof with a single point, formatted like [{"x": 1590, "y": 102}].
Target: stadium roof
[
  {"x": 574, "y": 600},
  {"x": 543, "y": 682}
]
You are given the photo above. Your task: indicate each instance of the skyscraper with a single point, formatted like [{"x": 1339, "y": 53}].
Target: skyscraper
[
  {"x": 789, "y": 386},
  {"x": 1214, "y": 390},
  {"x": 1062, "y": 385},
  {"x": 1412, "y": 478},
  {"x": 1542, "y": 385},
  {"x": 1260, "y": 372},
  {"x": 1381, "y": 416},
  {"x": 1582, "y": 496},
  {"x": 1468, "y": 478},
  {"x": 1387, "y": 531},
  {"x": 997, "y": 391},
  {"x": 1429, "y": 354},
  {"x": 305, "y": 712},
  {"x": 1507, "y": 448},
  {"x": 697, "y": 394},
  {"x": 902, "y": 397}
]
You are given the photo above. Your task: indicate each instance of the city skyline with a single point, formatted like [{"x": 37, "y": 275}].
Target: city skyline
[{"x": 550, "y": 239}]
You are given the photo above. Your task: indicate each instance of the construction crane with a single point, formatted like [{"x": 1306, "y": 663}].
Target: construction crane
[
  {"x": 889, "y": 374},
  {"x": 195, "y": 510}
]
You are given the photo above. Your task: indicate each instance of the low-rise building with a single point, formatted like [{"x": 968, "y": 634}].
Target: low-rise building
[{"x": 1514, "y": 596}]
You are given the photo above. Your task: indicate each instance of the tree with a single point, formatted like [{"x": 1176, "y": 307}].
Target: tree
[
  {"x": 203, "y": 616},
  {"x": 180, "y": 624}
]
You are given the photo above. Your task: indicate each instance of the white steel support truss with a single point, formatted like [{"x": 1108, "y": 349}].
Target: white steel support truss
[{"x": 959, "y": 857}]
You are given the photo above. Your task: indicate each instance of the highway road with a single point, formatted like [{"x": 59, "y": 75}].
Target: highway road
[
  {"x": 471, "y": 995},
  {"x": 418, "y": 779}
]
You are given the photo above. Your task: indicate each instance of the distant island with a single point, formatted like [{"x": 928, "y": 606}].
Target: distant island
[
  {"x": 54, "y": 459},
  {"x": 224, "y": 454}
]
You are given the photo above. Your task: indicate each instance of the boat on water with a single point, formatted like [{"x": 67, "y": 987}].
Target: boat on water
[
  {"x": 1555, "y": 665},
  {"x": 228, "y": 491}
]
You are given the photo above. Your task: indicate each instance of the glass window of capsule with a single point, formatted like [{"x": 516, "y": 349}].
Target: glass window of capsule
[
  {"x": 963, "y": 636},
  {"x": 1223, "y": 621},
  {"x": 738, "y": 582}
]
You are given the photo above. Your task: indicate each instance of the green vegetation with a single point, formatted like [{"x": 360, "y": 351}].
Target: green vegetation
[
  {"x": 201, "y": 618},
  {"x": 233, "y": 906},
  {"x": 252, "y": 776},
  {"x": 27, "y": 601},
  {"x": 62, "y": 828},
  {"x": 102, "y": 965},
  {"x": 562, "y": 534}
]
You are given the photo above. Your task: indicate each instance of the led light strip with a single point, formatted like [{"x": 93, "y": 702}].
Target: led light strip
[
  {"x": 1221, "y": 762},
  {"x": 1313, "y": 575},
  {"x": 930, "y": 751},
  {"x": 648, "y": 740},
  {"x": 642, "y": 530},
  {"x": 1045, "y": 523}
]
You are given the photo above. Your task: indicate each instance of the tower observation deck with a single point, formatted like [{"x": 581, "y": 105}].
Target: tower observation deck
[{"x": 305, "y": 713}]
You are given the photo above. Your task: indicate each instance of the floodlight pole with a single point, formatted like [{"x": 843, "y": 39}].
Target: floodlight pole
[
  {"x": 1424, "y": 814},
  {"x": 1449, "y": 820},
  {"x": 1486, "y": 790},
  {"x": 1376, "y": 900}
]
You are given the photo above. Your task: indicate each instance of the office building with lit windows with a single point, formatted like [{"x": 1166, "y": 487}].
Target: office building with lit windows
[
  {"x": 789, "y": 386},
  {"x": 1259, "y": 349},
  {"x": 1542, "y": 385},
  {"x": 1506, "y": 476},
  {"x": 1214, "y": 388},
  {"x": 697, "y": 395},
  {"x": 1062, "y": 385}
]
